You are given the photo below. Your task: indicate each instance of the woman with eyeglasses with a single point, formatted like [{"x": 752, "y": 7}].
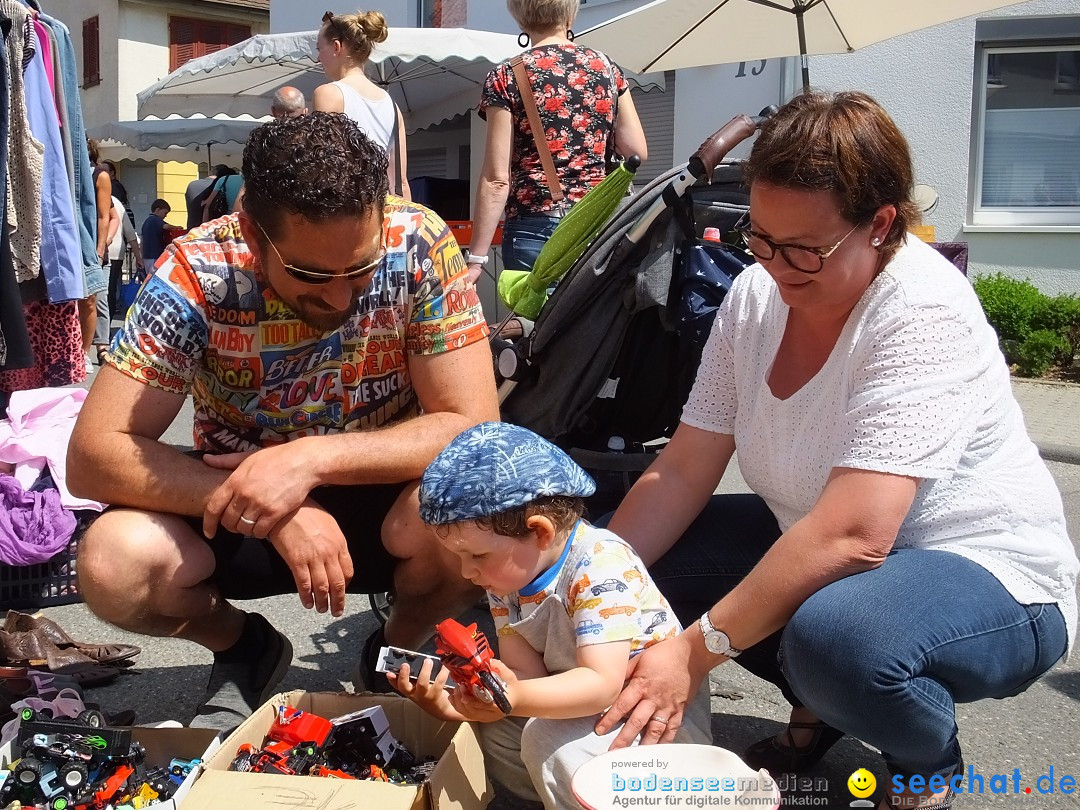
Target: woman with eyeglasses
[
  {"x": 905, "y": 550},
  {"x": 344, "y": 46}
]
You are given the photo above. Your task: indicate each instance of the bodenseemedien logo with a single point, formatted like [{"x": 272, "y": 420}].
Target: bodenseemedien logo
[
  {"x": 683, "y": 776},
  {"x": 862, "y": 784}
]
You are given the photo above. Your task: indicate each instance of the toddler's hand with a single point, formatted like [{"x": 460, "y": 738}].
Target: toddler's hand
[{"x": 428, "y": 694}]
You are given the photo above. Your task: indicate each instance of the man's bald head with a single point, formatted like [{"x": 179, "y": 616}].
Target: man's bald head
[{"x": 288, "y": 102}]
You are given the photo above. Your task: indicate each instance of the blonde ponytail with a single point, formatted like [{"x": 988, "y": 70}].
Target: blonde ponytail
[{"x": 358, "y": 32}]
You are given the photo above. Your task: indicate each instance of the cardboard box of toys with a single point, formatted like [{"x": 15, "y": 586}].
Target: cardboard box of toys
[
  {"x": 163, "y": 746},
  {"x": 457, "y": 780}
]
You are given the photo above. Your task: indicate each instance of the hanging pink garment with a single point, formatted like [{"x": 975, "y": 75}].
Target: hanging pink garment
[{"x": 37, "y": 432}]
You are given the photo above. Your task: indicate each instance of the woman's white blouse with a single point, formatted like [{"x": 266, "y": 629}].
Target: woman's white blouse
[{"x": 916, "y": 386}]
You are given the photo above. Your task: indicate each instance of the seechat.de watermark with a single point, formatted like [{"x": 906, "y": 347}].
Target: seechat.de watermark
[{"x": 974, "y": 782}]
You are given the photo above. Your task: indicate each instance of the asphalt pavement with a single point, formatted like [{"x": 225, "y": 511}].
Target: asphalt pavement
[{"x": 1034, "y": 734}]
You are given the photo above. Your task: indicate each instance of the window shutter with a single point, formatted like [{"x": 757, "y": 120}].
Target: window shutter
[
  {"x": 182, "y": 37},
  {"x": 190, "y": 38},
  {"x": 656, "y": 110},
  {"x": 91, "y": 53}
]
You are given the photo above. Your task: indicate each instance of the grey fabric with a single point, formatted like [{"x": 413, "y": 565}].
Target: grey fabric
[
  {"x": 537, "y": 758},
  {"x": 595, "y": 302}
]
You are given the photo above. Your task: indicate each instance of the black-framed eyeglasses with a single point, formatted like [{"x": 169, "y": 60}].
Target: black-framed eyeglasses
[
  {"x": 306, "y": 276},
  {"x": 802, "y": 258}
]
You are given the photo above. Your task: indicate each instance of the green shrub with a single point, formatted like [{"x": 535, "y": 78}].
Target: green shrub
[
  {"x": 1011, "y": 305},
  {"x": 1036, "y": 331},
  {"x": 1041, "y": 350},
  {"x": 1061, "y": 314}
]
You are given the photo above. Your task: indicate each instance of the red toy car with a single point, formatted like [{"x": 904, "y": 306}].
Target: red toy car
[{"x": 465, "y": 651}]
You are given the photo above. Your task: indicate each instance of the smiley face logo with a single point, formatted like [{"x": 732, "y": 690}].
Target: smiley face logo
[{"x": 861, "y": 783}]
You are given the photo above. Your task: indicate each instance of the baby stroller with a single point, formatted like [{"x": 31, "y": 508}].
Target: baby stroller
[{"x": 614, "y": 352}]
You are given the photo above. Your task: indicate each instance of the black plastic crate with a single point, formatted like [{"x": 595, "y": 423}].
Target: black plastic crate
[{"x": 43, "y": 584}]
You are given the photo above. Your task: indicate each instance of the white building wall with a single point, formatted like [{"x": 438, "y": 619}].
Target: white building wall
[
  {"x": 100, "y": 102},
  {"x": 288, "y": 15},
  {"x": 925, "y": 81},
  {"x": 134, "y": 47}
]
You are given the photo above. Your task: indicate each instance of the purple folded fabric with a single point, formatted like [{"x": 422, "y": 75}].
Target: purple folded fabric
[{"x": 34, "y": 527}]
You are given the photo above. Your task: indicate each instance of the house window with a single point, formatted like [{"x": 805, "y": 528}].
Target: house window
[
  {"x": 190, "y": 38},
  {"x": 441, "y": 13},
  {"x": 91, "y": 49},
  {"x": 1027, "y": 160}
]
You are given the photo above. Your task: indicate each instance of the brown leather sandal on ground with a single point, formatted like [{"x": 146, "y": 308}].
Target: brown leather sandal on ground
[
  {"x": 116, "y": 654},
  {"x": 778, "y": 758}
]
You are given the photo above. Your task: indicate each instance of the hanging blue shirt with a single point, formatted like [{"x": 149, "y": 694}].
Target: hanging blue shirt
[
  {"x": 61, "y": 257},
  {"x": 86, "y": 197}
]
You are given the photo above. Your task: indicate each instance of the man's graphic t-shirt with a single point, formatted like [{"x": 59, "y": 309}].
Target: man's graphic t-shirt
[{"x": 206, "y": 322}]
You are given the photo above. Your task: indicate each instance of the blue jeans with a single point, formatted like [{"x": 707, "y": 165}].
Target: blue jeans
[
  {"x": 524, "y": 238},
  {"x": 884, "y": 655}
]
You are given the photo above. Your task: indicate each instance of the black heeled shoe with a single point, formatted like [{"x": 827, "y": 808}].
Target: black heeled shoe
[{"x": 778, "y": 758}]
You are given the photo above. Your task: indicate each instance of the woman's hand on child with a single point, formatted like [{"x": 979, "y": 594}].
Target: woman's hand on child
[
  {"x": 659, "y": 686},
  {"x": 430, "y": 695}
]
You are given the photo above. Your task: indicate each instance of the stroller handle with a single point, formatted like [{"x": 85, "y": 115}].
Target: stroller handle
[{"x": 708, "y": 156}]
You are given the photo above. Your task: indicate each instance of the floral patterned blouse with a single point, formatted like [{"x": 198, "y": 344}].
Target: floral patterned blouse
[{"x": 574, "y": 88}]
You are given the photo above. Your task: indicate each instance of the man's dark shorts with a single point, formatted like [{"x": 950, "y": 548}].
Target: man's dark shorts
[{"x": 248, "y": 568}]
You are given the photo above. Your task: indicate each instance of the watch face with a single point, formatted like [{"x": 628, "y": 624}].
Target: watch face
[{"x": 717, "y": 642}]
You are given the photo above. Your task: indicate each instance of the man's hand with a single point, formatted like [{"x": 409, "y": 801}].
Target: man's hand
[
  {"x": 265, "y": 486},
  {"x": 660, "y": 686},
  {"x": 311, "y": 543}
]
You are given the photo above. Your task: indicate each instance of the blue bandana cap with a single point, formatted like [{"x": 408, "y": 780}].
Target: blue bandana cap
[{"x": 495, "y": 467}]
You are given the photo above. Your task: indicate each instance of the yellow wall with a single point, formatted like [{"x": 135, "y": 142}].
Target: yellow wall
[{"x": 172, "y": 182}]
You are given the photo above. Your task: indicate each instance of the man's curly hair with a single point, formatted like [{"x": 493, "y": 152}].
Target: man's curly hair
[{"x": 320, "y": 166}]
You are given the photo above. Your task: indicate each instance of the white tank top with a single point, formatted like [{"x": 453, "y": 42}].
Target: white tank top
[{"x": 376, "y": 118}]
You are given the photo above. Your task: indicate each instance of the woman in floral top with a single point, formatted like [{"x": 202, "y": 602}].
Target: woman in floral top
[{"x": 575, "y": 90}]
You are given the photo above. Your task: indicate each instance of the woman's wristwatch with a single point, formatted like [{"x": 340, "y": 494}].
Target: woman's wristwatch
[
  {"x": 472, "y": 258},
  {"x": 716, "y": 641}
]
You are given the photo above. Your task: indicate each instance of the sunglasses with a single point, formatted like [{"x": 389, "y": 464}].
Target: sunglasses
[
  {"x": 804, "y": 259},
  {"x": 306, "y": 276}
]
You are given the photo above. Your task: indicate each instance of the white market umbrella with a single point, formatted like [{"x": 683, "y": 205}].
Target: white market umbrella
[
  {"x": 672, "y": 34},
  {"x": 433, "y": 74},
  {"x": 181, "y": 139}
]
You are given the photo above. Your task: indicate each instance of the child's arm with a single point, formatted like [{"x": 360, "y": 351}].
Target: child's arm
[
  {"x": 588, "y": 689},
  {"x": 517, "y": 654}
]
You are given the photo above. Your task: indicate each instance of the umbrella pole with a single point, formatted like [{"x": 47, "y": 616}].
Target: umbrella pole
[
  {"x": 209, "y": 159},
  {"x": 800, "y": 10}
]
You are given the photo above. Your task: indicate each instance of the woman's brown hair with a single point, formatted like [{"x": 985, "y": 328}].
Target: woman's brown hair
[
  {"x": 357, "y": 32},
  {"x": 844, "y": 143}
]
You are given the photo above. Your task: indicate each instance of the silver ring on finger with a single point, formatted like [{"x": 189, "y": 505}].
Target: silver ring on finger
[
  {"x": 659, "y": 719},
  {"x": 247, "y": 521}
]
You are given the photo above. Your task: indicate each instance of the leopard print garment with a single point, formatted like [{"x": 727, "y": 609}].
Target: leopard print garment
[{"x": 56, "y": 340}]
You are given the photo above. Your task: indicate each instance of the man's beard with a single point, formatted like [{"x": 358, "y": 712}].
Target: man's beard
[{"x": 314, "y": 313}]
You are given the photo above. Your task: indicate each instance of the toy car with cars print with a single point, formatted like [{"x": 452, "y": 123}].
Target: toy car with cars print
[{"x": 608, "y": 585}]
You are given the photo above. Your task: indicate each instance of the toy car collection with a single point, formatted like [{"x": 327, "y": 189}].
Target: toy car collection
[
  {"x": 81, "y": 764},
  {"x": 357, "y": 745}
]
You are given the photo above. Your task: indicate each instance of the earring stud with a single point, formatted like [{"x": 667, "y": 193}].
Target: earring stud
[{"x": 876, "y": 242}]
